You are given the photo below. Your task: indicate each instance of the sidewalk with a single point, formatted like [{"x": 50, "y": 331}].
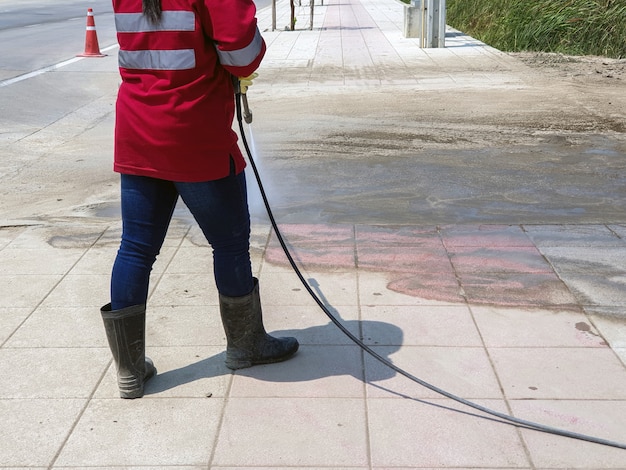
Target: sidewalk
[
  {"x": 360, "y": 43},
  {"x": 526, "y": 319}
]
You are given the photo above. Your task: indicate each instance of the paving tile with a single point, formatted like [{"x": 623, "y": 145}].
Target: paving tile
[
  {"x": 306, "y": 43},
  {"x": 60, "y": 327},
  {"x": 368, "y": 235},
  {"x": 57, "y": 236},
  {"x": 462, "y": 371},
  {"x": 51, "y": 372},
  {"x": 333, "y": 288},
  {"x": 400, "y": 289},
  {"x": 314, "y": 246},
  {"x": 96, "y": 260},
  {"x": 296, "y": 432},
  {"x": 613, "y": 329},
  {"x": 619, "y": 230},
  {"x": 572, "y": 235},
  {"x": 184, "y": 290},
  {"x": 441, "y": 287},
  {"x": 455, "y": 468},
  {"x": 38, "y": 261},
  {"x": 607, "y": 260},
  {"x": 8, "y": 234},
  {"x": 621, "y": 353},
  {"x": 609, "y": 311},
  {"x": 310, "y": 325},
  {"x": 100, "y": 259},
  {"x": 174, "y": 325},
  {"x": 25, "y": 468},
  {"x": 535, "y": 327},
  {"x": 597, "y": 289},
  {"x": 603, "y": 419},
  {"x": 455, "y": 236},
  {"x": 560, "y": 373},
  {"x": 282, "y": 467},
  {"x": 405, "y": 259},
  {"x": 111, "y": 236},
  {"x": 285, "y": 288},
  {"x": 501, "y": 259},
  {"x": 147, "y": 432},
  {"x": 26, "y": 291},
  {"x": 441, "y": 325},
  {"x": 541, "y": 290},
  {"x": 314, "y": 372},
  {"x": 313, "y": 257},
  {"x": 256, "y": 259},
  {"x": 33, "y": 431},
  {"x": 142, "y": 467},
  {"x": 187, "y": 372},
  {"x": 10, "y": 319},
  {"x": 299, "y": 235},
  {"x": 80, "y": 290},
  {"x": 259, "y": 234},
  {"x": 406, "y": 433},
  {"x": 192, "y": 260}
]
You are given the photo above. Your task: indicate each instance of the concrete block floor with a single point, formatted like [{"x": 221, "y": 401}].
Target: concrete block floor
[{"x": 478, "y": 311}]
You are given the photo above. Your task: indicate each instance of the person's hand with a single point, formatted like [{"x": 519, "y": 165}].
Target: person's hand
[{"x": 245, "y": 82}]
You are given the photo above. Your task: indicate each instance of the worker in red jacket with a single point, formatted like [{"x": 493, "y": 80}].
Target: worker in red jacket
[{"x": 174, "y": 137}]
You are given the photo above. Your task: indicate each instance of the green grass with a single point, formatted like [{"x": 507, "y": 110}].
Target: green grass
[{"x": 573, "y": 27}]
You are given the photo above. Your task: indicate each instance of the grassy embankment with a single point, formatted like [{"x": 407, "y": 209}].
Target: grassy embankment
[{"x": 572, "y": 27}]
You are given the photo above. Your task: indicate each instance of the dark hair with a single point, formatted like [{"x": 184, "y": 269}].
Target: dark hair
[{"x": 152, "y": 10}]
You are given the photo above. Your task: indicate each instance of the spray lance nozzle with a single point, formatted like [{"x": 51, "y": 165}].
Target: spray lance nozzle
[
  {"x": 247, "y": 114},
  {"x": 240, "y": 94}
]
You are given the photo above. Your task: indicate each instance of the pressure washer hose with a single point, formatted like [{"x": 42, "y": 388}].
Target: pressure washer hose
[{"x": 503, "y": 417}]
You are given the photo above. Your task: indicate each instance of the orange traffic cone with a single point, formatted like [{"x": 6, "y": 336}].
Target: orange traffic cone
[{"x": 92, "y": 49}]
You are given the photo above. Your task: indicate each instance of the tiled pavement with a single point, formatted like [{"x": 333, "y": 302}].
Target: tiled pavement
[
  {"x": 524, "y": 319},
  {"x": 484, "y": 312}
]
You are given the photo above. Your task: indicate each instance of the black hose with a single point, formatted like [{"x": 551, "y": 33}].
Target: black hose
[{"x": 506, "y": 419}]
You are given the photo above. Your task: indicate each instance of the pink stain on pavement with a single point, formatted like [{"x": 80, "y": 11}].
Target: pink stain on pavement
[{"x": 497, "y": 266}]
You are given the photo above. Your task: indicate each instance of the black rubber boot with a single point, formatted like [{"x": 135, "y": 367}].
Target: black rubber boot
[
  {"x": 125, "y": 330},
  {"x": 248, "y": 342}
]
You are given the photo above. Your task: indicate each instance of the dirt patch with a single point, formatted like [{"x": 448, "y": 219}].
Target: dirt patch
[
  {"x": 583, "y": 67},
  {"x": 593, "y": 88},
  {"x": 546, "y": 146}
]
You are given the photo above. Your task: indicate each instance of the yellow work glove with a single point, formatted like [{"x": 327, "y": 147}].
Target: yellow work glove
[{"x": 245, "y": 82}]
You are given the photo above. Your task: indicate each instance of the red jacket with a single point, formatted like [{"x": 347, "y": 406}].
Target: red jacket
[{"x": 175, "y": 106}]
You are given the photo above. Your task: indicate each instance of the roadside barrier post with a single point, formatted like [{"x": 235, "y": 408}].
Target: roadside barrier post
[{"x": 426, "y": 20}]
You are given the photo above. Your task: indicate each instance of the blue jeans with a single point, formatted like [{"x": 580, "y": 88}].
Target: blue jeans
[{"x": 219, "y": 207}]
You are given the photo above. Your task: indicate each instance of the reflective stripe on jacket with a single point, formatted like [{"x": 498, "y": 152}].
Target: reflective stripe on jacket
[{"x": 175, "y": 106}]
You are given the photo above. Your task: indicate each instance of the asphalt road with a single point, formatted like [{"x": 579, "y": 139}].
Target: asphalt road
[
  {"x": 40, "y": 33},
  {"x": 37, "y": 34}
]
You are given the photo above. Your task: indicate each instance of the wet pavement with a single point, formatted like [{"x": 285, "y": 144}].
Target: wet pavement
[{"x": 413, "y": 232}]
